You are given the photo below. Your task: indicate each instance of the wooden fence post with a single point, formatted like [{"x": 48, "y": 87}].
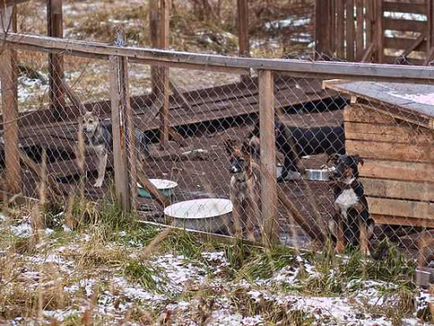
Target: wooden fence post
[
  {"x": 379, "y": 33},
  {"x": 159, "y": 30},
  {"x": 9, "y": 92},
  {"x": 350, "y": 31},
  {"x": 119, "y": 102},
  {"x": 268, "y": 158},
  {"x": 55, "y": 64}
]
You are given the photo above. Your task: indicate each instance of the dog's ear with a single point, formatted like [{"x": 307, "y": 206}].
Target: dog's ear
[
  {"x": 96, "y": 110},
  {"x": 246, "y": 149},
  {"x": 333, "y": 158},
  {"x": 230, "y": 145},
  {"x": 358, "y": 159}
]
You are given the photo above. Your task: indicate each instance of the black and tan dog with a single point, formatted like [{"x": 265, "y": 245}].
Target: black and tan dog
[
  {"x": 244, "y": 188},
  {"x": 294, "y": 142},
  {"x": 352, "y": 224}
]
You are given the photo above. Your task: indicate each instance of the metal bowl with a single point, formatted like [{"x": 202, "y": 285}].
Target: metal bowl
[
  {"x": 317, "y": 174},
  {"x": 165, "y": 186},
  {"x": 207, "y": 214}
]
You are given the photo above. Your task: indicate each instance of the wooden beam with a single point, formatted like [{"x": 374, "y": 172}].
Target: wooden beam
[
  {"x": 153, "y": 31},
  {"x": 393, "y": 73},
  {"x": 368, "y": 53},
  {"x": 55, "y": 64},
  {"x": 307, "y": 223},
  {"x": 350, "y": 30},
  {"x": 155, "y": 193},
  {"x": 340, "y": 27},
  {"x": 119, "y": 101},
  {"x": 9, "y": 95},
  {"x": 270, "y": 234},
  {"x": 243, "y": 28},
  {"x": 360, "y": 31},
  {"x": 379, "y": 32},
  {"x": 7, "y": 3}
]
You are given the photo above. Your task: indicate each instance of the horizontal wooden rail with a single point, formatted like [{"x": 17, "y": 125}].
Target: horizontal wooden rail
[{"x": 353, "y": 70}]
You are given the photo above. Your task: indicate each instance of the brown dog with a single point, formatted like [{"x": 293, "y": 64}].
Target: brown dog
[{"x": 245, "y": 190}]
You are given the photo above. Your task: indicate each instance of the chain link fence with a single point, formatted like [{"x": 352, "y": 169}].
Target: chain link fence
[{"x": 186, "y": 146}]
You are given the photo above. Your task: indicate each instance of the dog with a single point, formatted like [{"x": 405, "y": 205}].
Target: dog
[
  {"x": 244, "y": 188},
  {"x": 352, "y": 224},
  {"x": 294, "y": 142},
  {"x": 99, "y": 137}
]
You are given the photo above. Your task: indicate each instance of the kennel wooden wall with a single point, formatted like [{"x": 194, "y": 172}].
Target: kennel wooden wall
[
  {"x": 384, "y": 31},
  {"x": 394, "y": 136}
]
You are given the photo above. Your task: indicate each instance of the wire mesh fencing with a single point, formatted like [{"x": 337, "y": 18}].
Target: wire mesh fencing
[{"x": 281, "y": 156}]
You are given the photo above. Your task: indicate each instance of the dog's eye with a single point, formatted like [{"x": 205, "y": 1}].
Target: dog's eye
[{"x": 90, "y": 121}]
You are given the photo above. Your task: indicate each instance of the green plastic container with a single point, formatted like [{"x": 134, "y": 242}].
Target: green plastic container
[{"x": 165, "y": 186}]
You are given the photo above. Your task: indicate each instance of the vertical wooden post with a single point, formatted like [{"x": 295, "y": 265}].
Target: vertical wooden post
[
  {"x": 159, "y": 30},
  {"x": 153, "y": 30},
  {"x": 379, "y": 33},
  {"x": 164, "y": 73},
  {"x": 55, "y": 64},
  {"x": 119, "y": 102},
  {"x": 360, "y": 30},
  {"x": 350, "y": 30},
  {"x": 319, "y": 26},
  {"x": 332, "y": 9},
  {"x": 369, "y": 21},
  {"x": 9, "y": 92},
  {"x": 340, "y": 28},
  {"x": 430, "y": 32},
  {"x": 243, "y": 28},
  {"x": 268, "y": 158}
]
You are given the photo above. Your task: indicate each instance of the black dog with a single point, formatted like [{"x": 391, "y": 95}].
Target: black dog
[
  {"x": 295, "y": 142},
  {"x": 352, "y": 224}
]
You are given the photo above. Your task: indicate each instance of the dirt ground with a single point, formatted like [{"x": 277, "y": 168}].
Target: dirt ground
[{"x": 210, "y": 178}]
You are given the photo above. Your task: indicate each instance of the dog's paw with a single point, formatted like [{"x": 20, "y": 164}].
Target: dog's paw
[{"x": 98, "y": 184}]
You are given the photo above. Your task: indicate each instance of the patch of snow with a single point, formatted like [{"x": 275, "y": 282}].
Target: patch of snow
[
  {"x": 427, "y": 99},
  {"x": 290, "y": 21},
  {"x": 405, "y": 15},
  {"x": 23, "y": 230}
]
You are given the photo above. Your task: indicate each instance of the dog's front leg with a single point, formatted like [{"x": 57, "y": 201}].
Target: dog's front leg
[
  {"x": 237, "y": 213},
  {"x": 102, "y": 164}
]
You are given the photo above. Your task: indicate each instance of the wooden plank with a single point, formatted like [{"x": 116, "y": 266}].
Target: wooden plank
[
  {"x": 404, "y": 25},
  {"x": 243, "y": 28},
  {"x": 395, "y": 73},
  {"x": 307, "y": 223},
  {"x": 407, "y": 171},
  {"x": 379, "y": 32},
  {"x": 429, "y": 27},
  {"x": 153, "y": 31},
  {"x": 412, "y": 61},
  {"x": 9, "y": 95},
  {"x": 369, "y": 20},
  {"x": 390, "y": 151},
  {"x": 416, "y": 8},
  {"x": 404, "y": 43},
  {"x": 403, "y": 208},
  {"x": 155, "y": 193},
  {"x": 119, "y": 95},
  {"x": 422, "y": 191},
  {"x": 369, "y": 51},
  {"x": 340, "y": 26},
  {"x": 367, "y": 114},
  {"x": 7, "y": 3},
  {"x": 55, "y": 64},
  {"x": 360, "y": 42},
  {"x": 268, "y": 159},
  {"x": 384, "y": 133},
  {"x": 68, "y": 168},
  {"x": 349, "y": 36},
  {"x": 332, "y": 13},
  {"x": 405, "y": 221}
]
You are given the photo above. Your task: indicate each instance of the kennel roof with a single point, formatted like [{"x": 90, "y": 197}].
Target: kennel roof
[{"x": 411, "y": 102}]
